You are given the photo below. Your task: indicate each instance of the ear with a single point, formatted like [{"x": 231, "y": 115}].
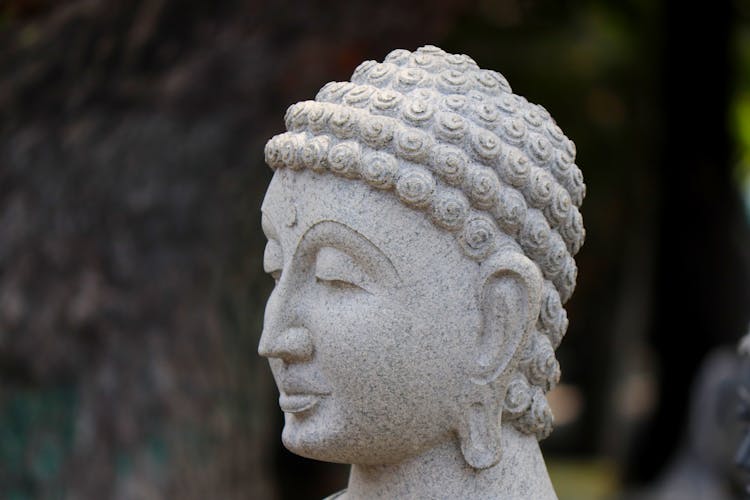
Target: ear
[{"x": 510, "y": 298}]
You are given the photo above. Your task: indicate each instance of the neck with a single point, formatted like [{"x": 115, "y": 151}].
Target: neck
[{"x": 442, "y": 472}]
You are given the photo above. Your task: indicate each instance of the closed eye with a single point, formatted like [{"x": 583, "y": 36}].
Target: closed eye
[
  {"x": 338, "y": 270},
  {"x": 341, "y": 284}
]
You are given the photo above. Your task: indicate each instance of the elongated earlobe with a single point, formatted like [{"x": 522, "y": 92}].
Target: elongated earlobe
[{"x": 480, "y": 439}]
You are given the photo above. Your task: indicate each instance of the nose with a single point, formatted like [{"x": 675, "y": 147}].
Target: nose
[
  {"x": 292, "y": 345},
  {"x": 283, "y": 336}
]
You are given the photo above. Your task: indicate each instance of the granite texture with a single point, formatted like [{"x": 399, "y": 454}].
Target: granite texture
[{"x": 421, "y": 224}]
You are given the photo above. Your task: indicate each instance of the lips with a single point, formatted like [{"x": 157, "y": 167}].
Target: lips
[{"x": 298, "y": 403}]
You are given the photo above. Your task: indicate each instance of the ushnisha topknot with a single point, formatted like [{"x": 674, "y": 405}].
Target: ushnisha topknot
[{"x": 452, "y": 140}]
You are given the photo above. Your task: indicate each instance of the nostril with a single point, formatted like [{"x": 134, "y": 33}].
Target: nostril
[{"x": 294, "y": 344}]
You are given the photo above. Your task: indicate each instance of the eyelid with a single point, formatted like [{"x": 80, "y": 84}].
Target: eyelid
[{"x": 333, "y": 265}]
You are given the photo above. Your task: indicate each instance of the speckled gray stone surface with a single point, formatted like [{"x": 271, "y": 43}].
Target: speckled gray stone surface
[{"x": 421, "y": 224}]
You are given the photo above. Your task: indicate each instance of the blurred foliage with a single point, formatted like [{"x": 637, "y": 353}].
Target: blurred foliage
[
  {"x": 584, "y": 479},
  {"x": 36, "y": 430},
  {"x": 740, "y": 115}
]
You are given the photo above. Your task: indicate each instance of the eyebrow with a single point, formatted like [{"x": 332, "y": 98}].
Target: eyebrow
[{"x": 367, "y": 254}]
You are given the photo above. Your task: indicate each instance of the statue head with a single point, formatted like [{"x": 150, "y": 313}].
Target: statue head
[{"x": 422, "y": 222}]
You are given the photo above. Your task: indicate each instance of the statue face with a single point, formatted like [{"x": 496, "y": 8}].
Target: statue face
[{"x": 368, "y": 327}]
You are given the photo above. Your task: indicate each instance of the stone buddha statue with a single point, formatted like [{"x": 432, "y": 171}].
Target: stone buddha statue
[{"x": 421, "y": 222}]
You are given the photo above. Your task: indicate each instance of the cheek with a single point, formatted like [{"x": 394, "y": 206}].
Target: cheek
[
  {"x": 388, "y": 351},
  {"x": 357, "y": 333}
]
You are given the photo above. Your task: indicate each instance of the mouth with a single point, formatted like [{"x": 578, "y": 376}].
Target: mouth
[{"x": 298, "y": 403}]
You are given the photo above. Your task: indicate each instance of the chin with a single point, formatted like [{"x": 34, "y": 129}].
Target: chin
[
  {"x": 306, "y": 438},
  {"x": 319, "y": 433},
  {"x": 316, "y": 442}
]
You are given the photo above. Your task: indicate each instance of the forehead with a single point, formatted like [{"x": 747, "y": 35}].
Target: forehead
[{"x": 297, "y": 200}]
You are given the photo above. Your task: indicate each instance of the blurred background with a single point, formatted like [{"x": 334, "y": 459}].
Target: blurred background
[{"x": 131, "y": 285}]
